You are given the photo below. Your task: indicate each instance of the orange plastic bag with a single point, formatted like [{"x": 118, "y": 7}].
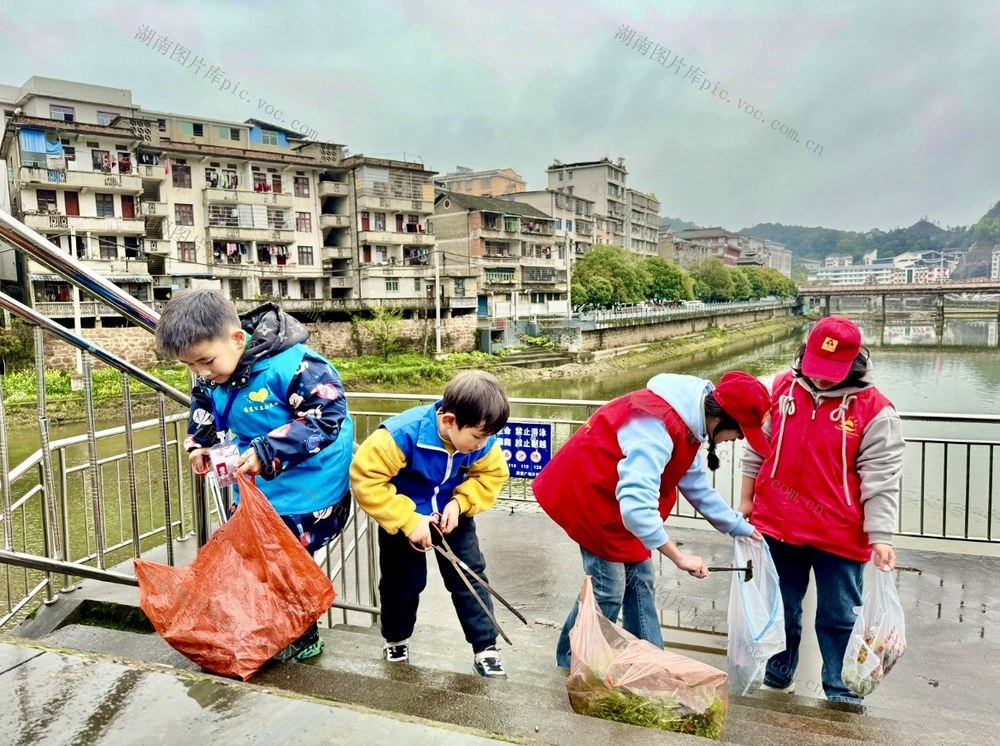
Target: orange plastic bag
[
  {"x": 616, "y": 676},
  {"x": 251, "y": 591}
]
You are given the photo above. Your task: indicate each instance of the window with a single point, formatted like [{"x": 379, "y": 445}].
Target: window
[
  {"x": 199, "y": 130},
  {"x": 105, "y": 205},
  {"x": 106, "y": 117},
  {"x": 161, "y": 125},
  {"x": 558, "y": 224},
  {"x": 236, "y": 289},
  {"x": 282, "y": 288},
  {"x": 301, "y": 186},
  {"x": 484, "y": 183},
  {"x": 460, "y": 288},
  {"x": 267, "y": 287},
  {"x": 47, "y": 200},
  {"x": 392, "y": 285},
  {"x": 187, "y": 251},
  {"x": 268, "y": 137},
  {"x": 380, "y": 221},
  {"x": 259, "y": 181},
  {"x": 569, "y": 226},
  {"x": 569, "y": 175},
  {"x": 229, "y": 133},
  {"x": 416, "y": 285},
  {"x": 276, "y": 184},
  {"x": 184, "y": 214},
  {"x": 303, "y": 222},
  {"x": 277, "y": 219},
  {"x": 306, "y": 256},
  {"x": 100, "y": 160},
  {"x": 62, "y": 113},
  {"x": 307, "y": 288},
  {"x": 181, "y": 176},
  {"x": 108, "y": 246},
  {"x": 132, "y": 250},
  {"x": 560, "y": 176}
]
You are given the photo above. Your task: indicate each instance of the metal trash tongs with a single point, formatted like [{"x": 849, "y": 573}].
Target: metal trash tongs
[
  {"x": 463, "y": 571},
  {"x": 748, "y": 570}
]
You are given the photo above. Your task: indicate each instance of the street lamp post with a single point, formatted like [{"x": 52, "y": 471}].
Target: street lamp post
[{"x": 437, "y": 301}]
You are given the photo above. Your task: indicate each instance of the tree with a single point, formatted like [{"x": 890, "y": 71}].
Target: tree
[
  {"x": 623, "y": 270},
  {"x": 667, "y": 281},
  {"x": 758, "y": 287},
  {"x": 598, "y": 291},
  {"x": 712, "y": 282},
  {"x": 17, "y": 346},
  {"x": 742, "y": 289},
  {"x": 383, "y": 327}
]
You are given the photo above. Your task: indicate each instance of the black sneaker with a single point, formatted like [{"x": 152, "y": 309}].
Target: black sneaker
[
  {"x": 308, "y": 646},
  {"x": 396, "y": 652},
  {"x": 488, "y": 664}
]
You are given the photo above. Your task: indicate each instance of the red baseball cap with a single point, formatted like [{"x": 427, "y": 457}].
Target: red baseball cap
[
  {"x": 832, "y": 346},
  {"x": 747, "y": 401}
]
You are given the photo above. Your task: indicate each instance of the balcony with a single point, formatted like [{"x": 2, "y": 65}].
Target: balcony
[
  {"x": 82, "y": 180},
  {"x": 334, "y": 221},
  {"x": 113, "y": 268},
  {"x": 369, "y": 201},
  {"x": 499, "y": 257},
  {"x": 80, "y": 224},
  {"x": 332, "y": 189},
  {"x": 147, "y": 172},
  {"x": 338, "y": 252},
  {"x": 341, "y": 282},
  {"x": 461, "y": 302},
  {"x": 247, "y": 197},
  {"x": 229, "y": 233},
  {"x": 58, "y": 310}
]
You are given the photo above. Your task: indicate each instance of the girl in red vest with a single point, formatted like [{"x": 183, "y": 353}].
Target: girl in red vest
[
  {"x": 613, "y": 484},
  {"x": 825, "y": 496}
]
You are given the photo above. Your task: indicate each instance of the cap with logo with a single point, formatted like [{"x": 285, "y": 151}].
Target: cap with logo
[{"x": 831, "y": 349}]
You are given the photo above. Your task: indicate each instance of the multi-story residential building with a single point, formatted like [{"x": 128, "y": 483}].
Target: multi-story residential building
[
  {"x": 644, "y": 222},
  {"x": 393, "y": 201},
  {"x": 604, "y": 183},
  {"x": 688, "y": 252},
  {"x": 779, "y": 257},
  {"x": 158, "y": 201},
  {"x": 574, "y": 218},
  {"x": 665, "y": 246},
  {"x": 838, "y": 260},
  {"x": 718, "y": 242},
  {"x": 995, "y": 263},
  {"x": 496, "y": 182},
  {"x": 515, "y": 247}
]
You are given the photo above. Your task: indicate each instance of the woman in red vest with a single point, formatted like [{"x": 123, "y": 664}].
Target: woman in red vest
[
  {"x": 613, "y": 484},
  {"x": 825, "y": 495}
]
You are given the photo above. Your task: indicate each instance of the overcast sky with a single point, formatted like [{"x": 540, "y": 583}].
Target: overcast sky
[{"x": 901, "y": 95}]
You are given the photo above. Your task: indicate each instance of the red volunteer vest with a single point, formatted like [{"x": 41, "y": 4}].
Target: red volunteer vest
[
  {"x": 577, "y": 488},
  {"x": 804, "y": 502}
]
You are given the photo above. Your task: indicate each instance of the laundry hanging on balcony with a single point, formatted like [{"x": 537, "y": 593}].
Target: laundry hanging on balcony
[{"x": 278, "y": 250}]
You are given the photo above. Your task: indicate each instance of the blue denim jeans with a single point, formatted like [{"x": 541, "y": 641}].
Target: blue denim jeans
[
  {"x": 619, "y": 588},
  {"x": 838, "y": 591}
]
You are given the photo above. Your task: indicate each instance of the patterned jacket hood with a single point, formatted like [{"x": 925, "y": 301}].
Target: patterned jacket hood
[{"x": 271, "y": 331}]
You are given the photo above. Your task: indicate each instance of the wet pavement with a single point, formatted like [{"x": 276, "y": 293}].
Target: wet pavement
[
  {"x": 944, "y": 685},
  {"x": 56, "y": 698}
]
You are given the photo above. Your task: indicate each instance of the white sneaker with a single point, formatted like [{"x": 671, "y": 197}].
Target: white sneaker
[
  {"x": 790, "y": 689},
  {"x": 489, "y": 665},
  {"x": 396, "y": 652}
]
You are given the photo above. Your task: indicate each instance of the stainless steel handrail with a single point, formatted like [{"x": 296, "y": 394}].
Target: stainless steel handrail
[{"x": 36, "y": 247}]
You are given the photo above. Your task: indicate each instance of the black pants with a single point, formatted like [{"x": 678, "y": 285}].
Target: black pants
[{"x": 404, "y": 576}]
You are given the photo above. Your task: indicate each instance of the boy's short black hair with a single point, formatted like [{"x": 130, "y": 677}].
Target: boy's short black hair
[
  {"x": 476, "y": 398},
  {"x": 192, "y": 316}
]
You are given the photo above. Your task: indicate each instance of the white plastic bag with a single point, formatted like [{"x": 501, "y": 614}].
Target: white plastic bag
[
  {"x": 756, "y": 616},
  {"x": 879, "y": 636}
]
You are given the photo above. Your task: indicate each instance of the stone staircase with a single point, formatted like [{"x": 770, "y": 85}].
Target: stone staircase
[
  {"x": 439, "y": 685},
  {"x": 536, "y": 357}
]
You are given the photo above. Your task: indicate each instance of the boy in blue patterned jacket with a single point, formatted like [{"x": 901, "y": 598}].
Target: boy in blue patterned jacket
[{"x": 282, "y": 403}]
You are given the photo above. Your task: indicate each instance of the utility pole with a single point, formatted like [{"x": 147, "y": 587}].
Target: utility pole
[
  {"x": 76, "y": 304},
  {"x": 437, "y": 301},
  {"x": 569, "y": 279}
]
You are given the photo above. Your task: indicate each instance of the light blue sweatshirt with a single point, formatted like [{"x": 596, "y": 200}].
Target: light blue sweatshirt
[{"x": 647, "y": 449}]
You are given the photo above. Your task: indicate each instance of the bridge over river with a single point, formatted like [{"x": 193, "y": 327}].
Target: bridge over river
[{"x": 979, "y": 297}]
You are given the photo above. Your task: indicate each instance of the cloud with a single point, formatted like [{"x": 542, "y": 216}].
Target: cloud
[{"x": 898, "y": 95}]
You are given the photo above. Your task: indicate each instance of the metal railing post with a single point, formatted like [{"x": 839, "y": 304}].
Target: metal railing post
[
  {"x": 95, "y": 469},
  {"x": 168, "y": 529},
  {"x": 54, "y": 545},
  {"x": 133, "y": 500},
  {"x": 8, "y": 530}
]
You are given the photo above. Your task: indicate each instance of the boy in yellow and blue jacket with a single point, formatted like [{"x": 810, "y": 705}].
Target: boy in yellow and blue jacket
[{"x": 440, "y": 462}]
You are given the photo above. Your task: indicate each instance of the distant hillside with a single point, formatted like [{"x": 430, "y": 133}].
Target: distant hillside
[
  {"x": 817, "y": 242},
  {"x": 676, "y": 224}
]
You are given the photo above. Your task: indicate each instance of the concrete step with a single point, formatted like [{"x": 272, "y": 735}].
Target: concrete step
[{"x": 439, "y": 685}]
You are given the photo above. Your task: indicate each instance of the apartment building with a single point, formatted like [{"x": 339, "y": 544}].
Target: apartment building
[
  {"x": 158, "y": 202},
  {"x": 512, "y": 245},
  {"x": 497, "y": 182},
  {"x": 396, "y": 246},
  {"x": 623, "y": 217},
  {"x": 644, "y": 222},
  {"x": 995, "y": 263},
  {"x": 711, "y": 242},
  {"x": 603, "y": 183},
  {"x": 771, "y": 254},
  {"x": 665, "y": 246},
  {"x": 573, "y": 215}
]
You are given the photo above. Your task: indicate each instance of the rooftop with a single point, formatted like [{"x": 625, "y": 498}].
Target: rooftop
[{"x": 491, "y": 204}]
